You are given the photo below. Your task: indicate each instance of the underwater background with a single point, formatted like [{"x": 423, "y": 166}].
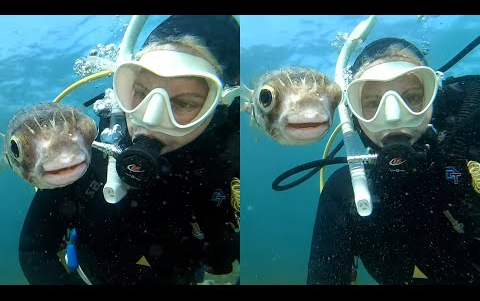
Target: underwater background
[
  {"x": 277, "y": 226},
  {"x": 37, "y": 61}
]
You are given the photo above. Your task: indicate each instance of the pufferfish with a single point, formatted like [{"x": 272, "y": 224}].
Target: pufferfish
[
  {"x": 293, "y": 105},
  {"x": 49, "y": 144}
]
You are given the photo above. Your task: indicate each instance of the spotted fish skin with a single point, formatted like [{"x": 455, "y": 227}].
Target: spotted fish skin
[
  {"x": 49, "y": 144},
  {"x": 294, "y": 105}
]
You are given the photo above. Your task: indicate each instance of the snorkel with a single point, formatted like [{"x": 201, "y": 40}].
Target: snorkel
[
  {"x": 115, "y": 189},
  {"x": 356, "y": 152}
]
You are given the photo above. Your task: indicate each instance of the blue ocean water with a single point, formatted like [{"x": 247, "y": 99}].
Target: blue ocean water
[
  {"x": 277, "y": 226},
  {"x": 37, "y": 55},
  {"x": 36, "y": 64}
]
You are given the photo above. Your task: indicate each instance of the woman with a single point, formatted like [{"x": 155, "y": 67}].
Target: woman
[
  {"x": 425, "y": 225},
  {"x": 180, "y": 156}
]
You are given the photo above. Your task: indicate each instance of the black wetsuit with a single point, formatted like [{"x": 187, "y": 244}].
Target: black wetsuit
[
  {"x": 409, "y": 227},
  {"x": 153, "y": 224}
]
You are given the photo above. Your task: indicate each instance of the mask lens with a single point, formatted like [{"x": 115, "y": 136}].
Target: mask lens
[
  {"x": 187, "y": 98},
  {"x": 415, "y": 89},
  {"x": 167, "y": 91}
]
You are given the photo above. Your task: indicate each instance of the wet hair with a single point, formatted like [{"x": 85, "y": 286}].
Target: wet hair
[
  {"x": 387, "y": 50},
  {"x": 207, "y": 36}
]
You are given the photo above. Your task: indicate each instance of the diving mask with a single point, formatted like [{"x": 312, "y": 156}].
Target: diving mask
[
  {"x": 156, "y": 110},
  {"x": 393, "y": 95}
]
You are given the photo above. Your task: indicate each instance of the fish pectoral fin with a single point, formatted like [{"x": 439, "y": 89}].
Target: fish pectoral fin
[
  {"x": 253, "y": 123},
  {"x": 4, "y": 164},
  {"x": 256, "y": 127}
]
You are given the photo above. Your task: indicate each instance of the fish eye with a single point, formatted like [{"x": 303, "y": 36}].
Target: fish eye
[
  {"x": 266, "y": 96},
  {"x": 14, "y": 148}
]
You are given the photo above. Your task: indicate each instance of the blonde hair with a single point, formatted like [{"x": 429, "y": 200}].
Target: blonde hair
[
  {"x": 186, "y": 44},
  {"x": 394, "y": 52}
]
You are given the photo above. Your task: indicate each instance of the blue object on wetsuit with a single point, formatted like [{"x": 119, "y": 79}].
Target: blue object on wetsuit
[{"x": 72, "y": 261}]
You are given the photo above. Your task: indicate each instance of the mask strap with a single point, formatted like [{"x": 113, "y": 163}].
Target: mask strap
[
  {"x": 229, "y": 94},
  {"x": 440, "y": 77}
]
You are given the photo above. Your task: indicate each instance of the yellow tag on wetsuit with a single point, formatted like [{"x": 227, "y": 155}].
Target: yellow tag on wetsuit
[
  {"x": 143, "y": 261},
  {"x": 418, "y": 274}
]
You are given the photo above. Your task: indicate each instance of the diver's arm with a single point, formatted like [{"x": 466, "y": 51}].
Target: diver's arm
[
  {"x": 39, "y": 240},
  {"x": 227, "y": 249},
  {"x": 331, "y": 254},
  {"x": 224, "y": 245},
  {"x": 472, "y": 131},
  {"x": 223, "y": 239},
  {"x": 224, "y": 266}
]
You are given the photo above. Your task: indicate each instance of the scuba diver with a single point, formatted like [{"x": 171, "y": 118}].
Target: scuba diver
[
  {"x": 424, "y": 184},
  {"x": 178, "y": 155}
]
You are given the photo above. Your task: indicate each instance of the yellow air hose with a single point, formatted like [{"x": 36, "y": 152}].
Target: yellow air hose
[
  {"x": 325, "y": 154},
  {"x": 82, "y": 82}
]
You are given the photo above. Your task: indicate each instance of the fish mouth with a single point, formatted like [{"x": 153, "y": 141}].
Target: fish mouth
[
  {"x": 306, "y": 125},
  {"x": 306, "y": 130},
  {"x": 59, "y": 175}
]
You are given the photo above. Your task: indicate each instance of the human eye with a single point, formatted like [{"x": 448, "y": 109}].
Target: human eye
[
  {"x": 413, "y": 97},
  {"x": 371, "y": 102},
  {"x": 139, "y": 93}
]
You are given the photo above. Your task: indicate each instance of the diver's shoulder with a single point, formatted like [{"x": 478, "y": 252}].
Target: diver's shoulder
[
  {"x": 455, "y": 93},
  {"x": 233, "y": 114},
  {"x": 337, "y": 182},
  {"x": 342, "y": 174}
]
